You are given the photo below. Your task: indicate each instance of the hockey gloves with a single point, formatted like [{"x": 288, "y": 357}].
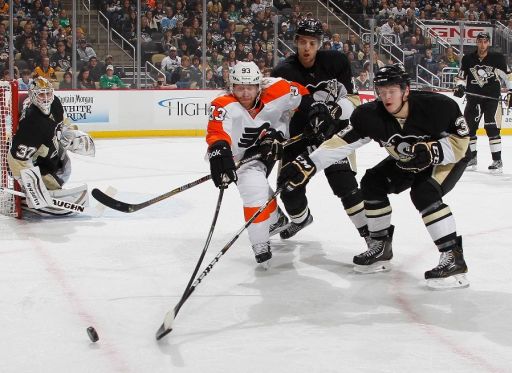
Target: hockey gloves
[
  {"x": 296, "y": 173},
  {"x": 270, "y": 146},
  {"x": 459, "y": 91},
  {"x": 422, "y": 155},
  {"x": 321, "y": 123},
  {"x": 222, "y": 165}
]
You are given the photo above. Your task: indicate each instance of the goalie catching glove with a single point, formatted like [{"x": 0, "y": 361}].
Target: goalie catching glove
[
  {"x": 271, "y": 147},
  {"x": 76, "y": 141},
  {"x": 296, "y": 173},
  {"x": 322, "y": 122},
  {"x": 422, "y": 155},
  {"x": 222, "y": 165}
]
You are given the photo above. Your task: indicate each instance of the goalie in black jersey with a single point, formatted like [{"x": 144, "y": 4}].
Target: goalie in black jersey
[
  {"x": 328, "y": 76},
  {"x": 479, "y": 78},
  {"x": 427, "y": 139},
  {"x": 38, "y": 156}
]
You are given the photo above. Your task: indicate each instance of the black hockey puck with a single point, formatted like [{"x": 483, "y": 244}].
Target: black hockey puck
[{"x": 93, "y": 335}]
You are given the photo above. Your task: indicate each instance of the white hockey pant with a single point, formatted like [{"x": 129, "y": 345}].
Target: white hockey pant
[{"x": 255, "y": 192}]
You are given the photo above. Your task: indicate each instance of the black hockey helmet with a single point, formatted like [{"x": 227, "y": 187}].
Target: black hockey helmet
[
  {"x": 392, "y": 74},
  {"x": 483, "y": 35},
  {"x": 310, "y": 27}
]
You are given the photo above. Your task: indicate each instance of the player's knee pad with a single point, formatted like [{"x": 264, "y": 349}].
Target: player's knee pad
[
  {"x": 352, "y": 198},
  {"x": 294, "y": 201},
  {"x": 492, "y": 130},
  {"x": 342, "y": 181},
  {"x": 424, "y": 195},
  {"x": 373, "y": 187},
  {"x": 252, "y": 183}
]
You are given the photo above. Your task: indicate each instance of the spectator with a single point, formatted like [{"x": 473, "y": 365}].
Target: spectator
[
  {"x": 285, "y": 34},
  {"x": 185, "y": 76},
  {"x": 387, "y": 28},
  {"x": 109, "y": 60},
  {"x": 429, "y": 63},
  {"x": 64, "y": 19},
  {"x": 223, "y": 79},
  {"x": 29, "y": 54},
  {"x": 25, "y": 80},
  {"x": 167, "y": 41},
  {"x": 362, "y": 81},
  {"x": 85, "y": 52},
  {"x": 364, "y": 54},
  {"x": 168, "y": 22},
  {"x": 353, "y": 43},
  {"x": 160, "y": 83},
  {"x": 210, "y": 82},
  {"x": 111, "y": 81},
  {"x": 399, "y": 10},
  {"x": 44, "y": 70},
  {"x": 19, "y": 43},
  {"x": 337, "y": 45},
  {"x": 170, "y": 62},
  {"x": 84, "y": 79},
  {"x": 67, "y": 81},
  {"x": 96, "y": 70}
]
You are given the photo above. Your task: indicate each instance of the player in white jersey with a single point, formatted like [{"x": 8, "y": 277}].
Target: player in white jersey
[{"x": 252, "y": 118}]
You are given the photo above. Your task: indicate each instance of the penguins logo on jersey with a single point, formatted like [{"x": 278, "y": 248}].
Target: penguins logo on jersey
[
  {"x": 399, "y": 147},
  {"x": 327, "y": 90},
  {"x": 482, "y": 74},
  {"x": 250, "y": 135}
]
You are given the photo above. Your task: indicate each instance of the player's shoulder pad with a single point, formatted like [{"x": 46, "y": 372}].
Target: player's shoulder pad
[
  {"x": 223, "y": 100},
  {"x": 431, "y": 100}
]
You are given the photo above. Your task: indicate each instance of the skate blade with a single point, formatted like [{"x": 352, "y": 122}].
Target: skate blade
[
  {"x": 265, "y": 266},
  {"x": 496, "y": 172},
  {"x": 453, "y": 282},
  {"x": 384, "y": 266},
  {"x": 279, "y": 230},
  {"x": 471, "y": 168}
]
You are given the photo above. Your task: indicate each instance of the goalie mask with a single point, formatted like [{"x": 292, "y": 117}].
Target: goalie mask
[{"x": 41, "y": 94}]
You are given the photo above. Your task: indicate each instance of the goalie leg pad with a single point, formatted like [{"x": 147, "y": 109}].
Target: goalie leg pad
[{"x": 35, "y": 189}]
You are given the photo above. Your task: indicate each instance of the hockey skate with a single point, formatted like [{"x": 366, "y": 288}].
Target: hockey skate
[
  {"x": 377, "y": 257},
  {"x": 471, "y": 166},
  {"x": 263, "y": 254},
  {"x": 450, "y": 272},
  {"x": 496, "y": 167},
  {"x": 280, "y": 225},
  {"x": 293, "y": 228}
]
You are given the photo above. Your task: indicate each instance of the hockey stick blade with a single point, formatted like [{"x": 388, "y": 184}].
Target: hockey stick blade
[
  {"x": 166, "y": 326},
  {"x": 132, "y": 207}
]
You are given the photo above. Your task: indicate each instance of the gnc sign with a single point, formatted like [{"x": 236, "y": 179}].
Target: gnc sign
[{"x": 451, "y": 32}]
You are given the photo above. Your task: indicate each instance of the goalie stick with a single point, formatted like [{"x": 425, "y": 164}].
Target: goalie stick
[
  {"x": 65, "y": 205},
  {"x": 132, "y": 207},
  {"x": 166, "y": 326}
]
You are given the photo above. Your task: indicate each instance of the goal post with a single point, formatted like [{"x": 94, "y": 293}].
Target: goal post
[{"x": 10, "y": 205}]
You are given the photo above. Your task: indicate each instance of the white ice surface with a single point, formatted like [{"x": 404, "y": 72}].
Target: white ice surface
[{"x": 309, "y": 313}]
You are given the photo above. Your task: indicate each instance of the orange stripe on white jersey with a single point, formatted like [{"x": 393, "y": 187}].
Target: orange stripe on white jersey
[
  {"x": 280, "y": 88},
  {"x": 215, "y": 130},
  {"x": 250, "y": 211}
]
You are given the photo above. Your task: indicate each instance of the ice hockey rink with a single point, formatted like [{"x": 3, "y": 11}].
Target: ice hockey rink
[{"x": 309, "y": 313}]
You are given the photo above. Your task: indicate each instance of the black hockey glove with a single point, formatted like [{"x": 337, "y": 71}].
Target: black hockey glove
[
  {"x": 222, "y": 165},
  {"x": 423, "y": 155},
  {"x": 321, "y": 122},
  {"x": 296, "y": 173},
  {"x": 271, "y": 147},
  {"x": 459, "y": 91}
]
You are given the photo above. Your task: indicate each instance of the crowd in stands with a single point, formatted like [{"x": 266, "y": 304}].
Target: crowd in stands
[
  {"x": 43, "y": 47},
  {"x": 237, "y": 30}
]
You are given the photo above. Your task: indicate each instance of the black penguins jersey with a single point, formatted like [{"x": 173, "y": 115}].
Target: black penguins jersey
[
  {"x": 432, "y": 117},
  {"x": 36, "y": 142},
  {"x": 329, "y": 70},
  {"x": 483, "y": 76}
]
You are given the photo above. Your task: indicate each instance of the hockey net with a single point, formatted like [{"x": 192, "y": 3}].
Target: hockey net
[{"x": 9, "y": 204}]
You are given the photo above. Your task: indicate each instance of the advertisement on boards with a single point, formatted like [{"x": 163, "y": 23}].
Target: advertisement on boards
[{"x": 451, "y": 31}]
